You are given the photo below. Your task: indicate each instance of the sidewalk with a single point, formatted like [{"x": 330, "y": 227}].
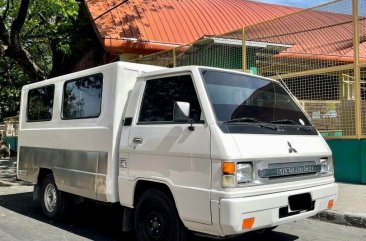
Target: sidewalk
[
  {"x": 350, "y": 208},
  {"x": 8, "y": 175}
]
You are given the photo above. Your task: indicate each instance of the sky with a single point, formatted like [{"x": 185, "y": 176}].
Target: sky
[{"x": 296, "y": 3}]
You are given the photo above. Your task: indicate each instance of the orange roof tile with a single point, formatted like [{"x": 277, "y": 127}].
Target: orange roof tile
[
  {"x": 163, "y": 24},
  {"x": 146, "y": 26},
  {"x": 313, "y": 34}
]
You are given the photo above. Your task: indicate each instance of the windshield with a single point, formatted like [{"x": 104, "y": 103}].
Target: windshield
[{"x": 243, "y": 98}]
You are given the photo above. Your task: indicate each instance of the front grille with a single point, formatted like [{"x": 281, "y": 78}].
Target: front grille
[
  {"x": 299, "y": 176},
  {"x": 276, "y": 171},
  {"x": 291, "y": 164}
]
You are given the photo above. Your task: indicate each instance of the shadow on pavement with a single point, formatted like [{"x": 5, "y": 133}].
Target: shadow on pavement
[
  {"x": 101, "y": 222},
  {"x": 90, "y": 220},
  {"x": 257, "y": 236}
]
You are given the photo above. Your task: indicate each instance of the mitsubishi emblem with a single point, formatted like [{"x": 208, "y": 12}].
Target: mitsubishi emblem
[{"x": 291, "y": 149}]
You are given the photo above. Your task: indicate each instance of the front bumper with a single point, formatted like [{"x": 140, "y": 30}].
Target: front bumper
[{"x": 266, "y": 209}]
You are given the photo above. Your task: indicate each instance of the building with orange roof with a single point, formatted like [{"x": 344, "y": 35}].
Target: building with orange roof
[
  {"x": 134, "y": 28},
  {"x": 138, "y": 27},
  {"x": 312, "y": 50}
]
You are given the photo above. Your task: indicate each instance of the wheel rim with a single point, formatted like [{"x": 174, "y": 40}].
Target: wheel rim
[
  {"x": 155, "y": 226},
  {"x": 50, "y": 197}
]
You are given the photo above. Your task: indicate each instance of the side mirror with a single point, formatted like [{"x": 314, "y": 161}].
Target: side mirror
[{"x": 181, "y": 111}]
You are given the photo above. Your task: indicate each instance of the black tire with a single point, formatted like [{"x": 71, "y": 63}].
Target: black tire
[
  {"x": 266, "y": 230},
  {"x": 156, "y": 218},
  {"x": 54, "y": 202},
  {"x": 271, "y": 228}
]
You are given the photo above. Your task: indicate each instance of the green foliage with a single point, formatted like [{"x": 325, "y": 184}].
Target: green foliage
[
  {"x": 12, "y": 79},
  {"x": 51, "y": 19},
  {"x": 52, "y": 29}
]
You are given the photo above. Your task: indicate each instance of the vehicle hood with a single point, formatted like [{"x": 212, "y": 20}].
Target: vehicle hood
[{"x": 274, "y": 146}]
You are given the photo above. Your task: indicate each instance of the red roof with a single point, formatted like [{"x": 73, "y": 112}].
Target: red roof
[
  {"x": 163, "y": 24},
  {"x": 146, "y": 26},
  {"x": 314, "y": 34}
]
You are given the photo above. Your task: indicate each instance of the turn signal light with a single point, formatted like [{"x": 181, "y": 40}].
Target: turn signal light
[
  {"x": 248, "y": 223},
  {"x": 330, "y": 204},
  {"x": 228, "y": 168}
]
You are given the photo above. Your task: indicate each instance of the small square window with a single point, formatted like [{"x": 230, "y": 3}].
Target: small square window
[
  {"x": 82, "y": 98},
  {"x": 40, "y": 103}
]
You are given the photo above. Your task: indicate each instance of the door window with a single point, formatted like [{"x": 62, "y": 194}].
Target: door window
[{"x": 160, "y": 95}]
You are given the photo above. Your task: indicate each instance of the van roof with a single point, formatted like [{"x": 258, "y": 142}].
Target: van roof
[
  {"x": 192, "y": 68},
  {"x": 78, "y": 74}
]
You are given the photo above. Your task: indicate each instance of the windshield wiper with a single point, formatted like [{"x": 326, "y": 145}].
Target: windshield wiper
[
  {"x": 243, "y": 119},
  {"x": 273, "y": 128},
  {"x": 304, "y": 128},
  {"x": 284, "y": 121},
  {"x": 291, "y": 122},
  {"x": 252, "y": 120}
]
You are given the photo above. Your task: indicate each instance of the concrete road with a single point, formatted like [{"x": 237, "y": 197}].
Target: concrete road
[{"x": 22, "y": 220}]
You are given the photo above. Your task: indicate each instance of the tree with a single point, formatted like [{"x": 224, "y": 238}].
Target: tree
[
  {"x": 39, "y": 39},
  {"x": 27, "y": 21}
]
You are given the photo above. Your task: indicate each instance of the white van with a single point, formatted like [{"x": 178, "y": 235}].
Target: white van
[{"x": 213, "y": 151}]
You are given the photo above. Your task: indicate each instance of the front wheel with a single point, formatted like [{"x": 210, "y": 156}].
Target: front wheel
[
  {"x": 54, "y": 202},
  {"x": 266, "y": 230},
  {"x": 156, "y": 218}
]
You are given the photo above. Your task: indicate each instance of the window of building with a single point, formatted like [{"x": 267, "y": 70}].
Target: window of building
[
  {"x": 160, "y": 95},
  {"x": 82, "y": 98},
  {"x": 40, "y": 103}
]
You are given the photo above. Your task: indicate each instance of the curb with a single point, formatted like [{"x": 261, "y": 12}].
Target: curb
[
  {"x": 348, "y": 219},
  {"x": 7, "y": 162},
  {"x": 8, "y": 174},
  {"x": 7, "y": 184},
  {"x": 15, "y": 183}
]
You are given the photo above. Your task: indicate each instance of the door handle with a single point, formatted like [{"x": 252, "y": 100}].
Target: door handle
[{"x": 137, "y": 140}]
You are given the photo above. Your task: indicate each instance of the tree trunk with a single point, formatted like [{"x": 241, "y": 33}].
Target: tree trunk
[{"x": 12, "y": 47}]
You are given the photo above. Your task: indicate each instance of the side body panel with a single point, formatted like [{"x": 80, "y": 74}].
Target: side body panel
[
  {"x": 179, "y": 158},
  {"x": 170, "y": 154},
  {"x": 81, "y": 153},
  {"x": 77, "y": 151}
]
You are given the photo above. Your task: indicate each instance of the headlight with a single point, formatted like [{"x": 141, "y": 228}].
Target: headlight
[
  {"x": 233, "y": 174},
  {"x": 244, "y": 172},
  {"x": 326, "y": 165}
]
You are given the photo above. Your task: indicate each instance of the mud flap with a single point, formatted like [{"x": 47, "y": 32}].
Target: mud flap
[
  {"x": 37, "y": 193},
  {"x": 128, "y": 219}
]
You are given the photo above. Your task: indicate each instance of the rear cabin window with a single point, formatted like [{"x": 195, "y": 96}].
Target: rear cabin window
[
  {"x": 160, "y": 95},
  {"x": 40, "y": 103},
  {"x": 82, "y": 98}
]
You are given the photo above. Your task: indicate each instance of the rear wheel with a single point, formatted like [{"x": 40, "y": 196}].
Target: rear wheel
[
  {"x": 54, "y": 202},
  {"x": 156, "y": 218}
]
